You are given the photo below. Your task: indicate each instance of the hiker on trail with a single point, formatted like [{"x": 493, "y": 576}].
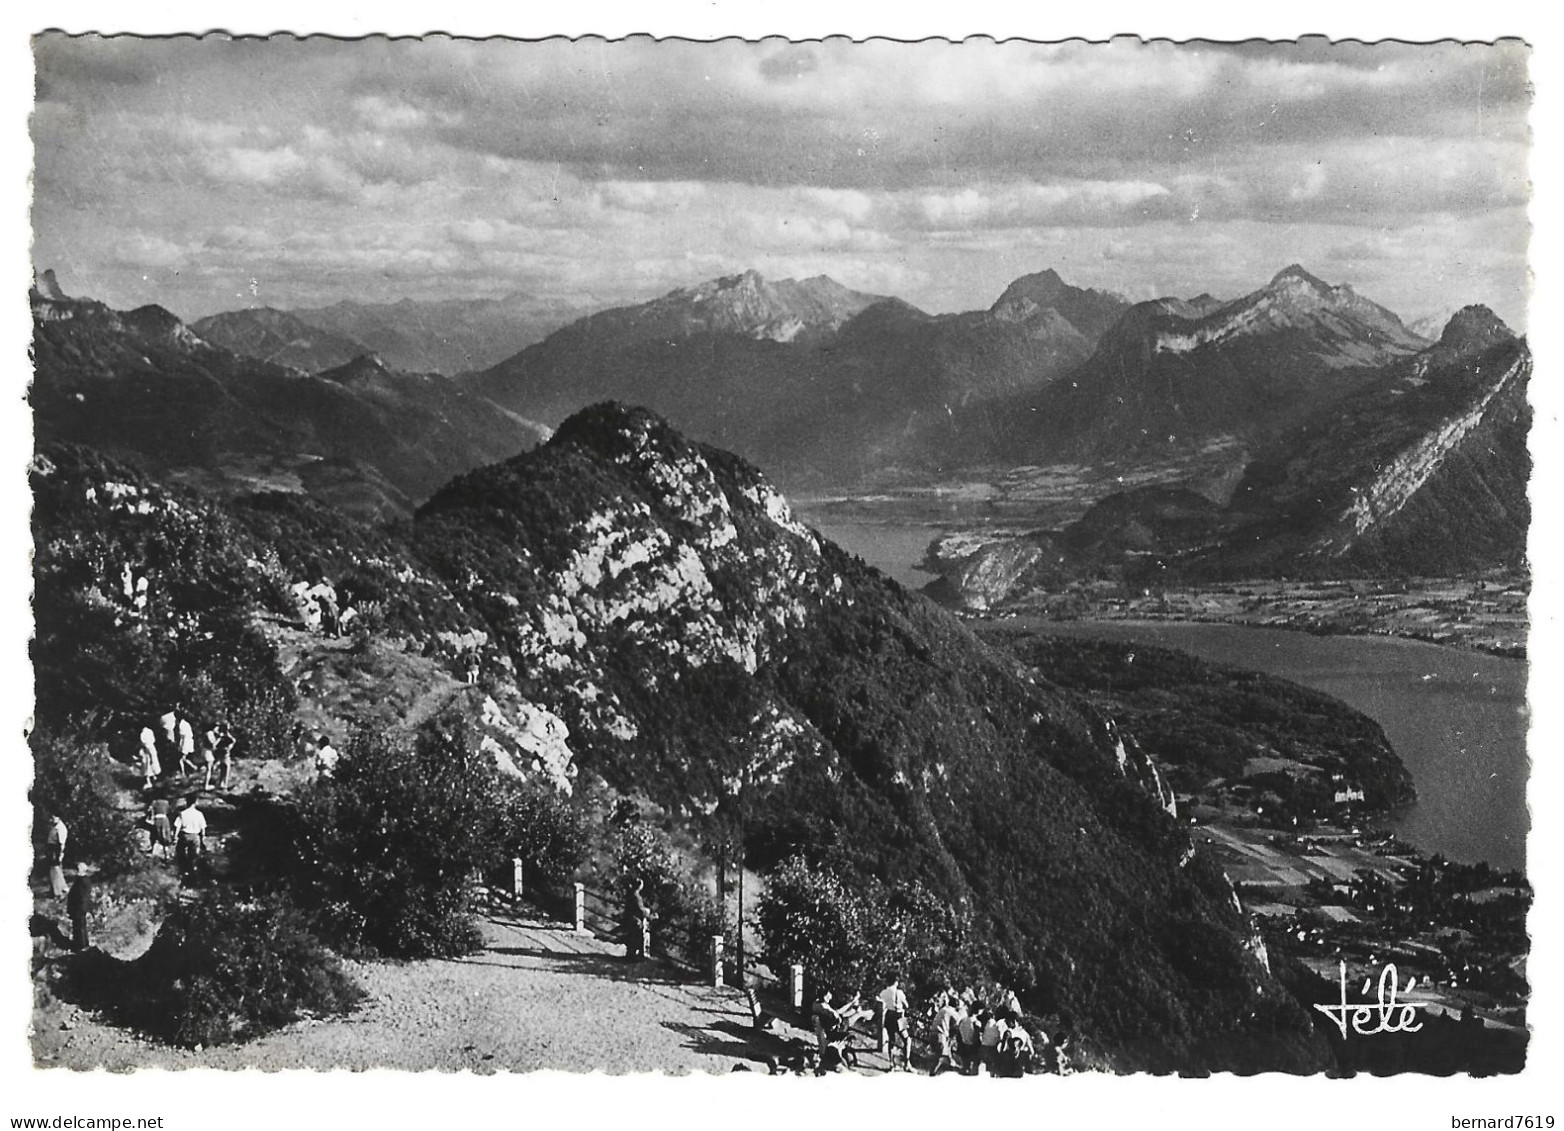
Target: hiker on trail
[
  {"x": 325, "y": 597},
  {"x": 209, "y": 743},
  {"x": 151, "y": 769},
  {"x": 162, "y": 839},
  {"x": 168, "y": 737},
  {"x": 225, "y": 754},
  {"x": 77, "y": 904},
  {"x": 893, "y": 1003},
  {"x": 947, "y": 1020},
  {"x": 636, "y": 922},
  {"x": 187, "y": 747},
  {"x": 54, "y": 853},
  {"x": 190, "y": 829},
  {"x": 325, "y": 758}
]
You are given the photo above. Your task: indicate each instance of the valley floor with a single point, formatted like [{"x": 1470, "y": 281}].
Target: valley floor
[{"x": 1487, "y": 613}]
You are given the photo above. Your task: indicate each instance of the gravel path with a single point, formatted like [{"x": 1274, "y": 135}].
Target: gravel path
[{"x": 537, "y": 996}]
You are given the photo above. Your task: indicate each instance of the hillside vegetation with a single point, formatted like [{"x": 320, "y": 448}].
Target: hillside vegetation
[{"x": 639, "y": 629}]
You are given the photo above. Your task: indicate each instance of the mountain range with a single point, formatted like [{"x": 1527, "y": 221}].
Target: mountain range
[
  {"x": 446, "y": 336},
  {"x": 1424, "y": 469},
  {"x": 827, "y": 387},
  {"x": 141, "y": 384},
  {"x": 815, "y": 382}
]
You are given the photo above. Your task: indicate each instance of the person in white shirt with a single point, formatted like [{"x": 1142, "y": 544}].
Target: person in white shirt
[
  {"x": 54, "y": 848},
  {"x": 326, "y": 758},
  {"x": 893, "y": 1002},
  {"x": 190, "y": 838},
  {"x": 947, "y": 1022},
  {"x": 187, "y": 747},
  {"x": 168, "y": 735}
]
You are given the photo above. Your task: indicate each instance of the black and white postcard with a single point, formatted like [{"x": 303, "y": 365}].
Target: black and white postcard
[{"x": 829, "y": 557}]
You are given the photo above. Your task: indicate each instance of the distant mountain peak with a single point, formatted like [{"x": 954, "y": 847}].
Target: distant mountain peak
[
  {"x": 368, "y": 364},
  {"x": 1474, "y": 325},
  {"x": 1091, "y": 312},
  {"x": 1295, "y": 273}
]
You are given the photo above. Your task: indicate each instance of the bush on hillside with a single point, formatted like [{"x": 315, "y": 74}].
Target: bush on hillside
[
  {"x": 387, "y": 847},
  {"x": 540, "y": 828},
  {"x": 850, "y": 938},
  {"x": 222, "y": 969},
  {"x": 73, "y": 777},
  {"x": 683, "y": 914}
]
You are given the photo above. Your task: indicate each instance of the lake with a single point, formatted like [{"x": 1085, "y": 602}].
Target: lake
[
  {"x": 1457, "y": 718},
  {"x": 895, "y": 549}
]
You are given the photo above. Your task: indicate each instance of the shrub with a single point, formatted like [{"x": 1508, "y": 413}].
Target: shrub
[
  {"x": 73, "y": 778},
  {"x": 389, "y": 845},
  {"x": 224, "y": 968},
  {"x": 541, "y": 828},
  {"x": 683, "y": 913}
]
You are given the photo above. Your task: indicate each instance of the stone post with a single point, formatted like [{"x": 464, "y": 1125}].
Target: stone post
[
  {"x": 716, "y": 960},
  {"x": 796, "y": 986},
  {"x": 581, "y": 908},
  {"x": 518, "y": 888}
]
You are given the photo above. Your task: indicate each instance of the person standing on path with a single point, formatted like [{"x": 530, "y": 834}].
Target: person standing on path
[
  {"x": 168, "y": 737},
  {"x": 225, "y": 754},
  {"x": 77, "y": 904},
  {"x": 209, "y": 743},
  {"x": 325, "y": 758},
  {"x": 150, "y": 768},
  {"x": 162, "y": 837},
  {"x": 947, "y": 1020},
  {"x": 190, "y": 829},
  {"x": 893, "y": 1003},
  {"x": 54, "y": 853},
  {"x": 636, "y": 922},
  {"x": 187, "y": 747}
]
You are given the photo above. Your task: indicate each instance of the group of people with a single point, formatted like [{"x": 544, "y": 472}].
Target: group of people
[
  {"x": 169, "y": 744},
  {"x": 183, "y": 833},
  {"x": 970, "y": 1036},
  {"x": 977, "y": 1038}
]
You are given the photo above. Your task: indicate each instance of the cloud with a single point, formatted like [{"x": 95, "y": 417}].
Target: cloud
[{"x": 381, "y": 167}]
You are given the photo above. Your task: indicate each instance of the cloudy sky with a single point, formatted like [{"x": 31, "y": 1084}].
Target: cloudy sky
[{"x": 212, "y": 174}]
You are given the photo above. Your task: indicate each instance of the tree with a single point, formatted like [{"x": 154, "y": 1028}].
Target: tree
[
  {"x": 388, "y": 846},
  {"x": 73, "y": 778}
]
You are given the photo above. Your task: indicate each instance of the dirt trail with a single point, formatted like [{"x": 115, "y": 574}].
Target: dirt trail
[{"x": 537, "y": 996}]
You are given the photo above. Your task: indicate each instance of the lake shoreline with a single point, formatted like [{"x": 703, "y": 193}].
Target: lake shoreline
[{"x": 1456, "y": 717}]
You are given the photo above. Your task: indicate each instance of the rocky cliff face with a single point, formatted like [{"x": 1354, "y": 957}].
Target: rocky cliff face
[{"x": 1351, "y": 329}]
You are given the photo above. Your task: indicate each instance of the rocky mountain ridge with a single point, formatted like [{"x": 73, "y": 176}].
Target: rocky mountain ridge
[
  {"x": 642, "y": 614},
  {"x": 817, "y": 383},
  {"x": 142, "y": 385},
  {"x": 1423, "y": 470},
  {"x": 279, "y": 337}
]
